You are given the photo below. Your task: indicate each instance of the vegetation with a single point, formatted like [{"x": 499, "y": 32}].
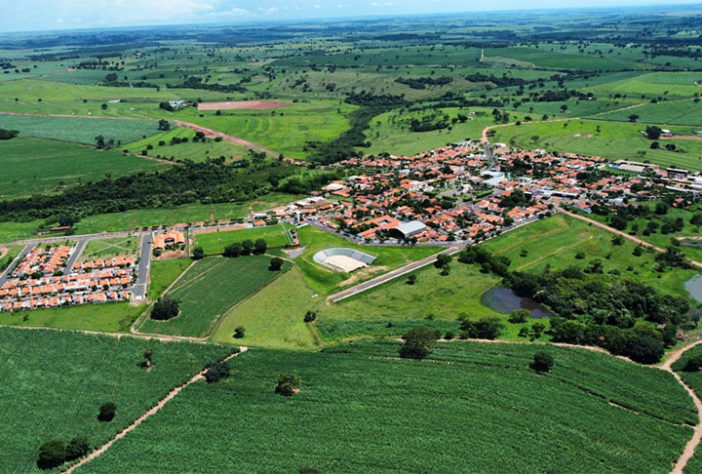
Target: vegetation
[
  {"x": 112, "y": 317},
  {"x": 164, "y": 309},
  {"x": 214, "y": 243}
]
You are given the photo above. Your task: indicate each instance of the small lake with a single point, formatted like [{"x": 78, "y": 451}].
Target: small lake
[
  {"x": 694, "y": 287},
  {"x": 504, "y": 300}
]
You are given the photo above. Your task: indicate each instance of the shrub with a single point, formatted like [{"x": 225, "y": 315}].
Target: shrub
[
  {"x": 260, "y": 246},
  {"x": 287, "y": 384},
  {"x": 218, "y": 372},
  {"x": 450, "y": 335},
  {"x": 239, "y": 332},
  {"x": 310, "y": 316},
  {"x": 418, "y": 343},
  {"x": 164, "y": 309},
  {"x": 412, "y": 279},
  {"x": 51, "y": 454},
  {"x": 247, "y": 247},
  {"x": 485, "y": 328},
  {"x": 693, "y": 364},
  {"x": 519, "y": 316},
  {"x": 543, "y": 362},
  {"x": 233, "y": 250},
  {"x": 198, "y": 253},
  {"x": 77, "y": 448},
  {"x": 276, "y": 264},
  {"x": 107, "y": 411}
]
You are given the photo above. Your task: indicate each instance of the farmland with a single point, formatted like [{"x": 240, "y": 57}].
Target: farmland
[
  {"x": 208, "y": 289},
  {"x": 484, "y": 383},
  {"x": 213, "y": 243},
  {"x": 36, "y": 166},
  {"x": 164, "y": 273},
  {"x": 74, "y": 374}
]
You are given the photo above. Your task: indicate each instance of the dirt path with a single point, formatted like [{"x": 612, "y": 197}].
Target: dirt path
[
  {"x": 3, "y": 251},
  {"x": 155, "y": 409},
  {"x": 623, "y": 234},
  {"x": 691, "y": 446}
]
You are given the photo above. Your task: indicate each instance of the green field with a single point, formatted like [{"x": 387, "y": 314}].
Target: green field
[
  {"x": 195, "y": 151},
  {"x": 12, "y": 252},
  {"x": 678, "y": 112},
  {"x": 54, "y": 383},
  {"x": 78, "y": 129},
  {"x": 109, "y": 248},
  {"x": 614, "y": 141},
  {"x": 213, "y": 243},
  {"x": 694, "y": 381},
  {"x": 208, "y": 289},
  {"x": 361, "y": 399},
  {"x": 36, "y": 166},
  {"x": 110, "y": 317},
  {"x": 164, "y": 273}
]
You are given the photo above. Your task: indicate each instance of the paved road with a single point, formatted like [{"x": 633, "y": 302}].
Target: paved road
[
  {"x": 23, "y": 253},
  {"x": 139, "y": 288},
  {"x": 74, "y": 257}
]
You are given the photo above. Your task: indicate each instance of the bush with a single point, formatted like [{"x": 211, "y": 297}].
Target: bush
[
  {"x": 218, "y": 372},
  {"x": 441, "y": 260},
  {"x": 519, "y": 316},
  {"x": 51, "y": 454},
  {"x": 260, "y": 246},
  {"x": 646, "y": 350},
  {"x": 310, "y": 316},
  {"x": 693, "y": 364},
  {"x": 287, "y": 384},
  {"x": 77, "y": 448},
  {"x": 107, "y": 411},
  {"x": 247, "y": 247},
  {"x": 543, "y": 362},
  {"x": 198, "y": 253},
  {"x": 276, "y": 264},
  {"x": 485, "y": 328},
  {"x": 164, "y": 309},
  {"x": 239, "y": 332},
  {"x": 233, "y": 250},
  {"x": 418, "y": 343},
  {"x": 412, "y": 279}
]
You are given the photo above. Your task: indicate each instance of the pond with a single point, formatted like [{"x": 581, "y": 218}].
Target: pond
[
  {"x": 694, "y": 287},
  {"x": 504, "y": 300}
]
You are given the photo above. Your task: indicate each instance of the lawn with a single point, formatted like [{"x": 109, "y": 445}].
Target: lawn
[
  {"x": 164, "y": 273},
  {"x": 110, "y": 317},
  {"x": 109, "y": 248},
  {"x": 79, "y": 129},
  {"x": 208, "y": 289},
  {"x": 325, "y": 281},
  {"x": 361, "y": 409},
  {"x": 36, "y": 166},
  {"x": 53, "y": 384},
  {"x": 195, "y": 151},
  {"x": 611, "y": 140},
  {"x": 273, "y": 317},
  {"x": 213, "y": 243}
]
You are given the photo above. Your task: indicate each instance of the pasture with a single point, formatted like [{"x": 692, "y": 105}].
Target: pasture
[
  {"x": 79, "y": 129},
  {"x": 37, "y": 166},
  {"x": 360, "y": 398},
  {"x": 213, "y": 243},
  {"x": 208, "y": 289},
  {"x": 54, "y": 382}
]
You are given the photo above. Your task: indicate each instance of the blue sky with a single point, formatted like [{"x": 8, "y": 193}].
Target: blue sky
[{"x": 28, "y": 15}]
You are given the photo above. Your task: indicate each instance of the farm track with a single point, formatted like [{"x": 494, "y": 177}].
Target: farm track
[{"x": 155, "y": 409}]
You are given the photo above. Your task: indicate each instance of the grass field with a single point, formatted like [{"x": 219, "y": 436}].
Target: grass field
[
  {"x": 694, "y": 380},
  {"x": 195, "y": 151},
  {"x": 361, "y": 399},
  {"x": 208, "y": 289},
  {"x": 164, "y": 273},
  {"x": 110, "y": 317},
  {"x": 53, "y": 384},
  {"x": 37, "y": 166},
  {"x": 554, "y": 241},
  {"x": 678, "y": 112},
  {"x": 325, "y": 281},
  {"x": 109, "y": 248},
  {"x": 12, "y": 252},
  {"x": 213, "y": 243},
  {"x": 78, "y": 129},
  {"x": 614, "y": 141}
]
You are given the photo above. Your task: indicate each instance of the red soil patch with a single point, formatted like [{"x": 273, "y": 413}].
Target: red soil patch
[{"x": 242, "y": 105}]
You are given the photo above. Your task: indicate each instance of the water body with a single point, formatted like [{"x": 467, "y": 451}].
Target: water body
[
  {"x": 504, "y": 300},
  {"x": 694, "y": 287}
]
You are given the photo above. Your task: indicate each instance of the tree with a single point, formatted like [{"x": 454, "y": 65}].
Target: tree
[
  {"x": 77, "y": 448},
  {"x": 310, "y": 316},
  {"x": 111, "y": 77},
  {"x": 239, "y": 332},
  {"x": 693, "y": 364},
  {"x": 99, "y": 142},
  {"x": 164, "y": 125},
  {"x": 442, "y": 259},
  {"x": 412, "y": 279},
  {"x": 246, "y": 247},
  {"x": 653, "y": 132},
  {"x": 633, "y": 118},
  {"x": 165, "y": 308},
  {"x": 276, "y": 264},
  {"x": 519, "y": 316},
  {"x": 148, "y": 355},
  {"x": 103, "y": 106},
  {"x": 233, "y": 250},
  {"x": 418, "y": 343},
  {"x": 218, "y": 372},
  {"x": 107, "y": 411},
  {"x": 287, "y": 385},
  {"x": 8, "y": 134},
  {"x": 696, "y": 220},
  {"x": 51, "y": 454},
  {"x": 198, "y": 253},
  {"x": 485, "y": 328},
  {"x": 260, "y": 246},
  {"x": 543, "y": 362},
  {"x": 645, "y": 350}
]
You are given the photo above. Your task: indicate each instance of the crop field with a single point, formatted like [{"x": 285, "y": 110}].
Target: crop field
[
  {"x": 194, "y": 151},
  {"x": 356, "y": 398},
  {"x": 164, "y": 273},
  {"x": 652, "y": 85},
  {"x": 614, "y": 141},
  {"x": 109, "y": 317},
  {"x": 678, "y": 112},
  {"x": 213, "y": 243},
  {"x": 325, "y": 281},
  {"x": 54, "y": 383},
  {"x": 78, "y": 129},
  {"x": 208, "y": 289},
  {"x": 36, "y": 166},
  {"x": 694, "y": 380},
  {"x": 109, "y": 248}
]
